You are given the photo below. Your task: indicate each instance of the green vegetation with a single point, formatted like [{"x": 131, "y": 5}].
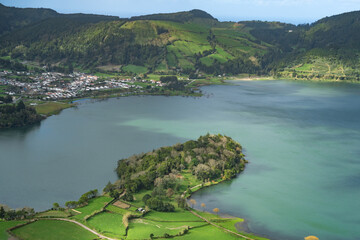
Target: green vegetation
[
  {"x": 51, "y": 108},
  {"x": 18, "y": 115},
  {"x": 169, "y": 171},
  {"x": 152, "y": 188},
  {"x": 134, "y": 69},
  {"x": 53, "y": 214},
  {"x": 95, "y": 204},
  {"x": 180, "y": 43},
  {"x": 207, "y": 232},
  {"x": 51, "y": 229},
  {"x": 6, "y": 225},
  {"x": 109, "y": 224}
]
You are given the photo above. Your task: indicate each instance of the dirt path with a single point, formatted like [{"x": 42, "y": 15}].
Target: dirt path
[
  {"x": 183, "y": 195},
  {"x": 222, "y": 228},
  {"x": 83, "y": 226}
]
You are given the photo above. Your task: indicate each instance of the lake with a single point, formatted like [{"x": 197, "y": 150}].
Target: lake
[{"x": 301, "y": 140}]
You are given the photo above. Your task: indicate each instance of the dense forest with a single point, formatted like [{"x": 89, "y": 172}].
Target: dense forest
[
  {"x": 185, "y": 42},
  {"x": 17, "y": 115},
  {"x": 211, "y": 157}
]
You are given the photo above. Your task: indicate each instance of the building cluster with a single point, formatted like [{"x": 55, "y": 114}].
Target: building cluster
[{"x": 53, "y": 85}]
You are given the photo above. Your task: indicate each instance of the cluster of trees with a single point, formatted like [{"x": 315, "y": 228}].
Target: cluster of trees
[
  {"x": 18, "y": 115},
  {"x": 83, "y": 200},
  {"x": 172, "y": 83},
  {"x": 23, "y": 213},
  {"x": 208, "y": 158},
  {"x": 6, "y": 99},
  {"x": 12, "y": 65}
]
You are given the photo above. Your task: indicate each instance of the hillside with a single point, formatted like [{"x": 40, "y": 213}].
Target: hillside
[
  {"x": 190, "y": 42},
  {"x": 184, "y": 42},
  {"x": 12, "y": 18}
]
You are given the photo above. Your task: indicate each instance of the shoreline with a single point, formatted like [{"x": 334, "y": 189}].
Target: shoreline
[{"x": 241, "y": 226}]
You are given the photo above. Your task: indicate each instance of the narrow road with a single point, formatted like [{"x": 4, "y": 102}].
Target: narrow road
[
  {"x": 83, "y": 226},
  {"x": 183, "y": 195},
  {"x": 222, "y": 228}
]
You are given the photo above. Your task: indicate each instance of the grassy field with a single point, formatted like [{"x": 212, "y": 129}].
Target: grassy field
[
  {"x": 109, "y": 224},
  {"x": 51, "y": 108},
  {"x": 175, "y": 216},
  {"x": 53, "y": 213},
  {"x": 94, "y": 205},
  {"x": 207, "y": 232},
  {"x": 54, "y": 230},
  {"x": 321, "y": 68},
  {"x": 6, "y": 225},
  {"x": 135, "y": 69},
  {"x": 142, "y": 228}
]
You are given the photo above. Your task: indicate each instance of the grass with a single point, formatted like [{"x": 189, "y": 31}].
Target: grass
[
  {"x": 118, "y": 210},
  {"x": 175, "y": 216},
  {"x": 51, "y": 108},
  {"x": 135, "y": 69},
  {"x": 94, "y": 205},
  {"x": 207, "y": 232},
  {"x": 142, "y": 228},
  {"x": 52, "y": 229},
  {"x": 6, "y": 225},
  {"x": 53, "y": 213},
  {"x": 109, "y": 224},
  {"x": 228, "y": 223}
]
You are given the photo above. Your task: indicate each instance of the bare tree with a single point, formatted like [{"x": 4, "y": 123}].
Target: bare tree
[
  {"x": 203, "y": 206},
  {"x": 216, "y": 210},
  {"x": 192, "y": 202}
]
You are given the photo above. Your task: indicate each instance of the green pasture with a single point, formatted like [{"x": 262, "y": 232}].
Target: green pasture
[
  {"x": 6, "y": 225},
  {"x": 54, "y": 230},
  {"x": 51, "y": 108},
  {"x": 134, "y": 69},
  {"x": 109, "y": 224},
  {"x": 53, "y": 213},
  {"x": 95, "y": 204}
]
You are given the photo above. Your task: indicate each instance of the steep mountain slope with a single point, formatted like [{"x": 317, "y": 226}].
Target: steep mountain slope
[
  {"x": 194, "y": 41},
  {"x": 13, "y": 18},
  {"x": 190, "y": 42}
]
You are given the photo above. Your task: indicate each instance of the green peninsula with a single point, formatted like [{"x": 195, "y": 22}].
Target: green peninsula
[{"x": 150, "y": 199}]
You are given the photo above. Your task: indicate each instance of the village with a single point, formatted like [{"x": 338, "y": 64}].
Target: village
[{"x": 56, "y": 86}]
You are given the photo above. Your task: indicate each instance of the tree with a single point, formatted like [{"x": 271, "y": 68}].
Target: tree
[
  {"x": 114, "y": 194},
  {"x": 56, "y": 206},
  {"x": 192, "y": 202},
  {"x": 20, "y": 106},
  {"x": 128, "y": 197},
  {"x": 169, "y": 192},
  {"x": 216, "y": 210},
  {"x": 146, "y": 197},
  {"x": 2, "y": 212},
  {"x": 181, "y": 202},
  {"x": 108, "y": 187},
  {"x": 203, "y": 206}
]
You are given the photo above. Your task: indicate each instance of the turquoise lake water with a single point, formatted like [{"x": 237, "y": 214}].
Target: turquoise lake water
[{"x": 302, "y": 141}]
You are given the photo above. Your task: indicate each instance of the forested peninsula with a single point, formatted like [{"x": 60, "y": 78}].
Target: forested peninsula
[
  {"x": 18, "y": 115},
  {"x": 150, "y": 200}
]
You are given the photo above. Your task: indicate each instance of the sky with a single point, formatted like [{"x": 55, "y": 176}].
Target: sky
[{"x": 290, "y": 11}]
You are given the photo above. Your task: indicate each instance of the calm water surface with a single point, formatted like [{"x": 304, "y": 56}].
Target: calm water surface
[{"x": 301, "y": 139}]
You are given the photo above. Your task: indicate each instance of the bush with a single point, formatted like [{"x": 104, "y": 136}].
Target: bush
[{"x": 158, "y": 205}]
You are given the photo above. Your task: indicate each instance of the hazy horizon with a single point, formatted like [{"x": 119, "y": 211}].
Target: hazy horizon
[{"x": 289, "y": 11}]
